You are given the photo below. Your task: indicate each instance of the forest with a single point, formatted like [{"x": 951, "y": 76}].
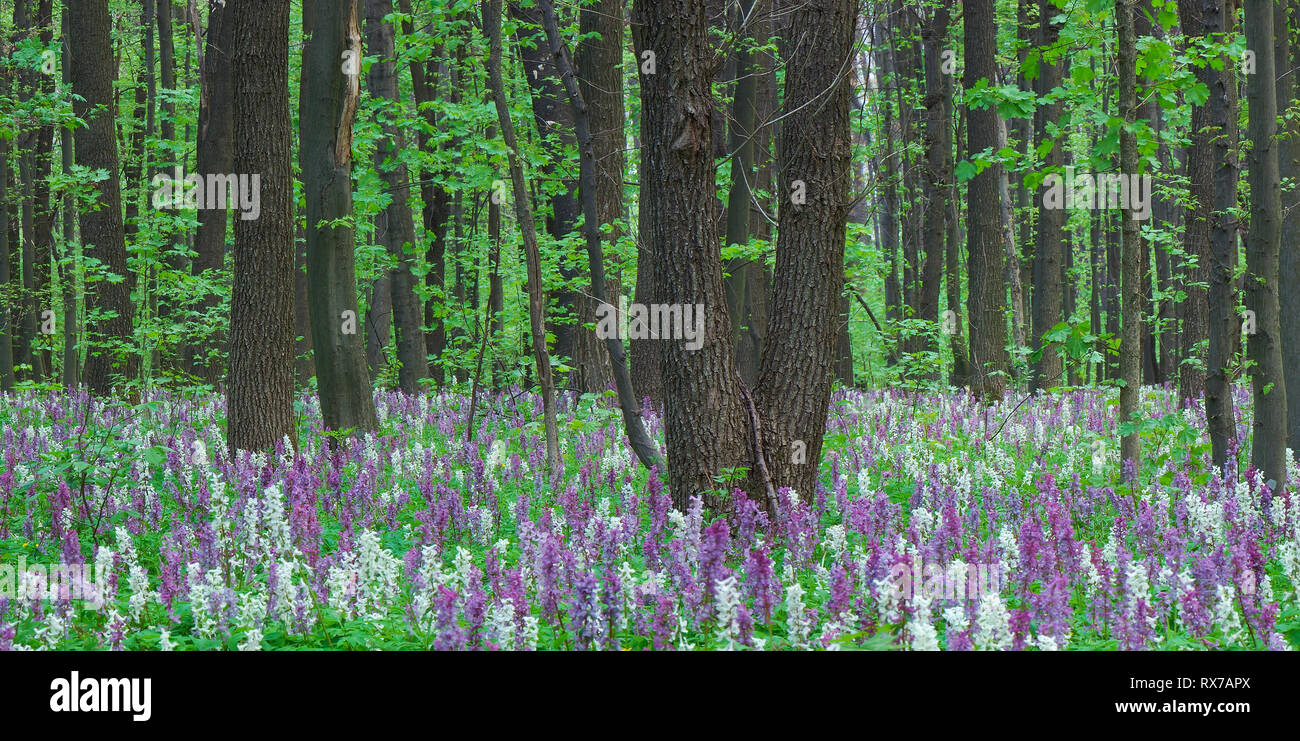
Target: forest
[{"x": 649, "y": 325}]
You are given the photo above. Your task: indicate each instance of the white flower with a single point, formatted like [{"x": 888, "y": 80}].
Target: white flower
[
  {"x": 727, "y": 597},
  {"x": 993, "y": 627}
]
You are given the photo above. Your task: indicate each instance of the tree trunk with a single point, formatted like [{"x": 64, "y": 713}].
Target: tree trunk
[
  {"x": 1047, "y": 371},
  {"x": 215, "y": 154},
  {"x": 1219, "y": 412},
  {"x": 101, "y": 229},
  {"x": 1263, "y": 243},
  {"x": 1130, "y": 358},
  {"x": 938, "y": 171},
  {"x": 260, "y": 385},
  {"x": 436, "y": 208},
  {"x": 798, "y": 363},
  {"x": 524, "y": 214},
  {"x": 641, "y": 443},
  {"x": 394, "y": 225},
  {"x": 984, "y": 235},
  {"x": 1289, "y": 269},
  {"x": 327, "y": 105},
  {"x": 705, "y": 423}
]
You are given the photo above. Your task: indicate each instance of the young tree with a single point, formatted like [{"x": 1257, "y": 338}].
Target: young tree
[
  {"x": 108, "y": 306},
  {"x": 1130, "y": 359},
  {"x": 1263, "y": 243},
  {"x": 259, "y": 392},
  {"x": 524, "y": 214},
  {"x": 331, "y": 89}
]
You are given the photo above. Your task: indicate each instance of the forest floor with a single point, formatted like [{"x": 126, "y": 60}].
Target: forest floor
[{"x": 939, "y": 523}]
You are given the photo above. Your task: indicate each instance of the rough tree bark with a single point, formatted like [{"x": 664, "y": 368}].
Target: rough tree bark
[
  {"x": 101, "y": 229},
  {"x": 798, "y": 365},
  {"x": 259, "y": 388},
  {"x": 984, "y": 234},
  {"x": 705, "y": 422},
  {"x": 1130, "y": 357},
  {"x": 1219, "y": 411}
]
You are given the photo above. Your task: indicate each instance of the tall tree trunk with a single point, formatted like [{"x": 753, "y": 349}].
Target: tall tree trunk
[
  {"x": 6, "y": 314},
  {"x": 1130, "y": 359},
  {"x": 109, "y": 303},
  {"x": 259, "y": 389},
  {"x": 599, "y": 65},
  {"x": 215, "y": 153},
  {"x": 938, "y": 169},
  {"x": 1047, "y": 371},
  {"x": 705, "y": 423},
  {"x": 1289, "y": 162},
  {"x": 524, "y": 214},
  {"x": 327, "y": 105},
  {"x": 394, "y": 225},
  {"x": 984, "y": 236},
  {"x": 71, "y": 328},
  {"x": 1219, "y": 412},
  {"x": 740, "y": 144},
  {"x": 436, "y": 207},
  {"x": 640, "y": 440},
  {"x": 1263, "y": 243},
  {"x": 798, "y": 363}
]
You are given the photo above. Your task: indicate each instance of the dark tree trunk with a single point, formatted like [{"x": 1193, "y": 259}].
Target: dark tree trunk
[
  {"x": 327, "y": 105},
  {"x": 1289, "y": 269},
  {"x": 260, "y": 384},
  {"x": 1223, "y": 326},
  {"x": 705, "y": 422},
  {"x": 215, "y": 154},
  {"x": 1263, "y": 243},
  {"x": 639, "y": 439},
  {"x": 101, "y": 229},
  {"x": 599, "y": 62},
  {"x": 741, "y": 146},
  {"x": 394, "y": 225},
  {"x": 1048, "y": 255},
  {"x": 71, "y": 329},
  {"x": 798, "y": 363},
  {"x": 1130, "y": 349},
  {"x": 436, "y": 208},
  {"x": 938, "y": 171},
  {"x": 984, "y": 223}
]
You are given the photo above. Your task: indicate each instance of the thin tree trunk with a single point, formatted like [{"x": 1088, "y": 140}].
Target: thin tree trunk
[
  {"x": 1130, "y": 359},
  {"x": 524, "y": 214},
  {"x": 641, "y": 443},
  {"x": 1288, "y": 54},
  {"x": 1047, "y": 371},
  {"x": 394, "y": 225},
  {"x": 215, "y": 152}
]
